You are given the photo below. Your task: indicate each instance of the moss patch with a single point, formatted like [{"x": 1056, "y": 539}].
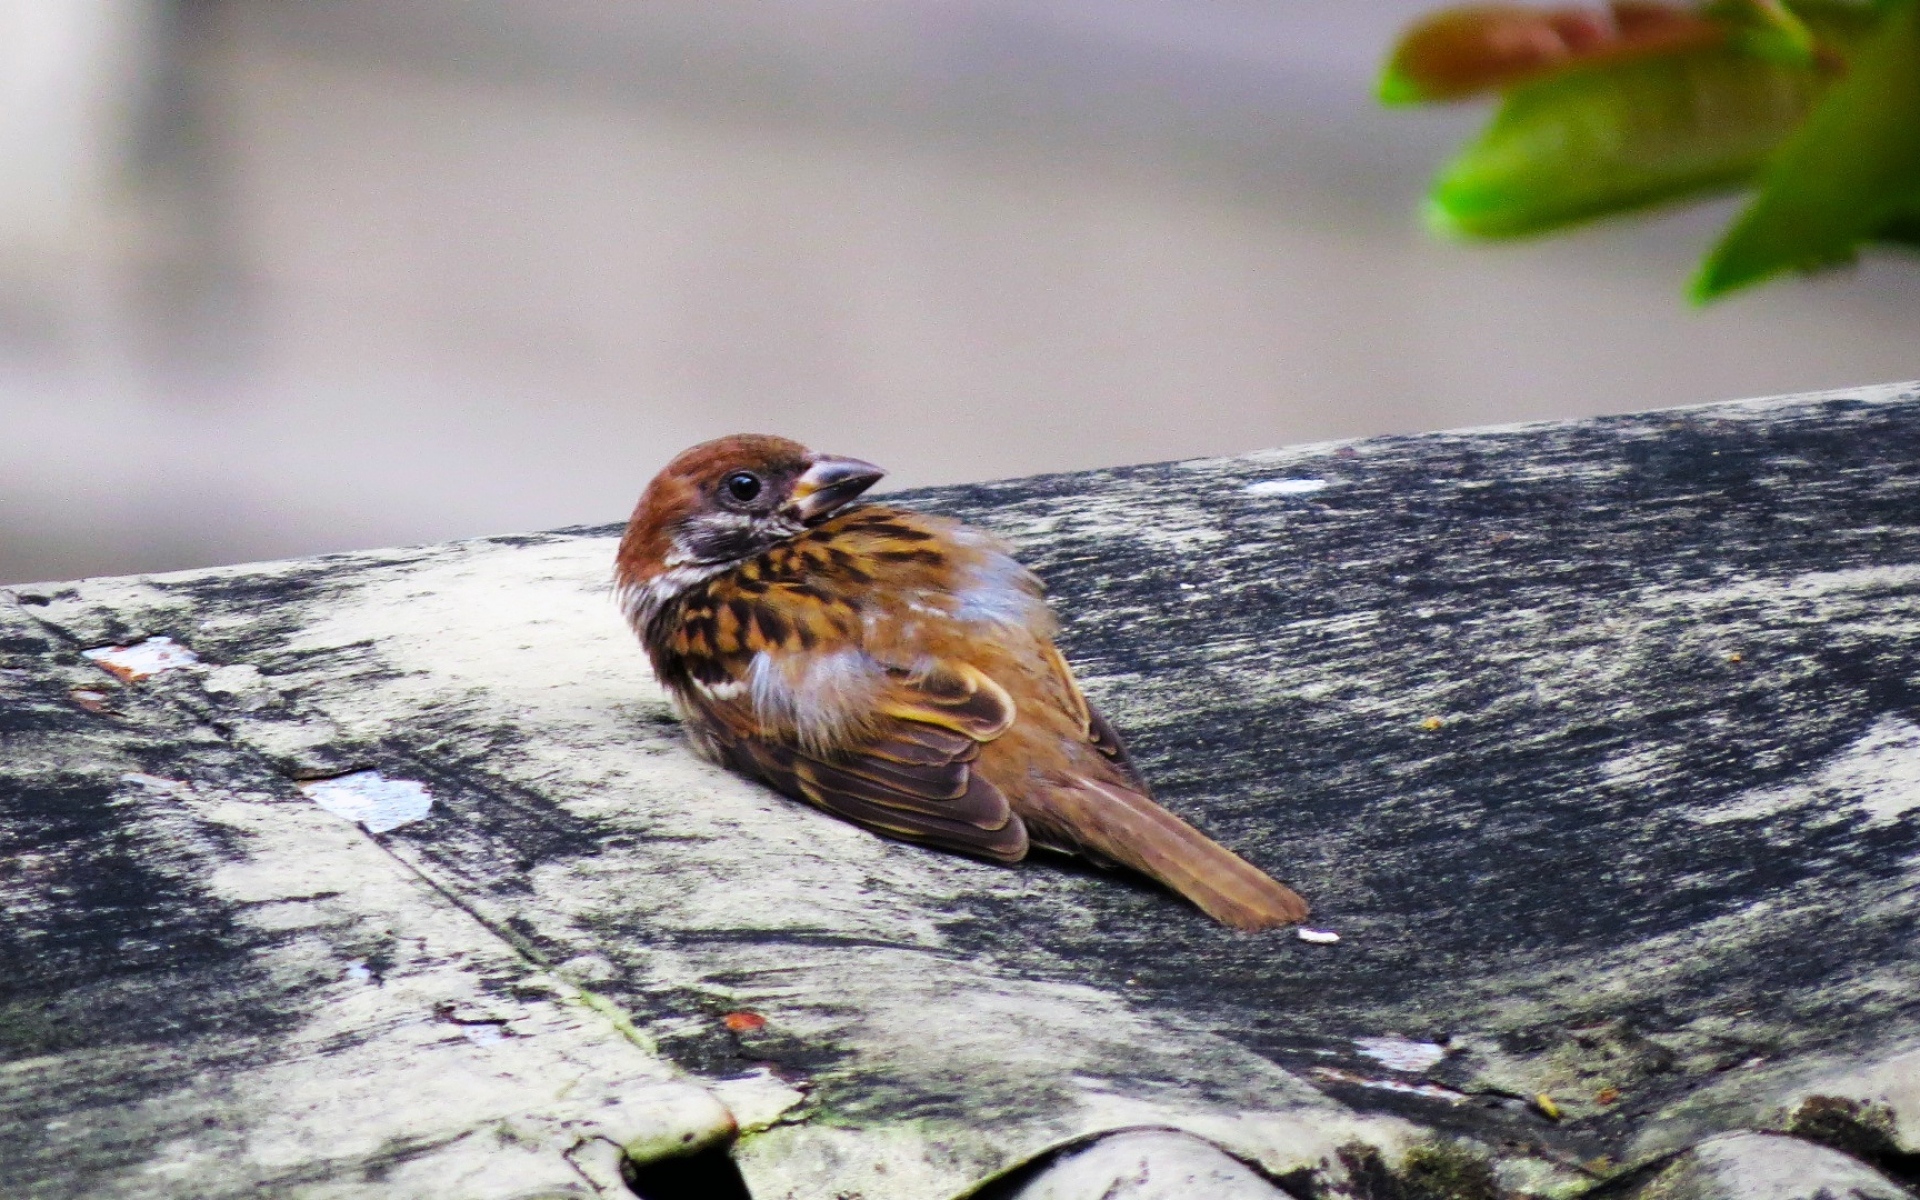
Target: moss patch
[
  {"x": 1857, "y": 1127},
  {"x": 1432, "y": 1171}
]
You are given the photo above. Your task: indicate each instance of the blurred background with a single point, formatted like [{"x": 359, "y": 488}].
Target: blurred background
[{"x": 279, "y": 278}]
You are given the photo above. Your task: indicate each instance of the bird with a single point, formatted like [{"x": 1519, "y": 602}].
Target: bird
[{"x": 894, "y": 668}]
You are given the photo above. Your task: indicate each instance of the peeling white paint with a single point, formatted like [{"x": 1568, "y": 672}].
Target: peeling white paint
[
  {"x": 1147, "y": 1164},
  {"x": 526, "y": 636},
  {"x": 1317, "y": 937},
  {"x": 136, "y": 662},
  {"x": 535, "y": 629},
  {"x": 758, "y": 1099},
  {"x": 1401, "y": 1054},
  {"x": 1759, "y": 1166},
  {"x": 367, "y": 1066},
  {"x": 1285, "y": 487},
  {"x": 371, "y": 799},
  {"x": 233, "y": 680}
]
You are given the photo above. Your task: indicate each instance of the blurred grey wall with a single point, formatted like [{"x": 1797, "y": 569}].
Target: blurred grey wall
[{"x": 278, "y": 278}]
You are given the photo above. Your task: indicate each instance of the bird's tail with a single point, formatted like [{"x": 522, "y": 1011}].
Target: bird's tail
[{"x": 1130, "y": 829}]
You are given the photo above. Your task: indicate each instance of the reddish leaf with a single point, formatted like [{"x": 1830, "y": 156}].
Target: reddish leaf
[{"x": 1463, "y": 51}]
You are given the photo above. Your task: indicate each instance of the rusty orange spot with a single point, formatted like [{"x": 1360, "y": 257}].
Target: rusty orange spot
[
  {"x": 743, "y": 1021},
  {"x": 1606, "y": 1095},
  {"x": 92, "y": 701}
]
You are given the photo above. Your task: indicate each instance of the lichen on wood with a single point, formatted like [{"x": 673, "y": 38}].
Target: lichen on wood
[{"x": 1595, "y": 743}]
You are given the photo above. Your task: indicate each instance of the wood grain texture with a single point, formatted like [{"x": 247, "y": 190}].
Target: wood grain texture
[{"x": 1598, "y": 744}]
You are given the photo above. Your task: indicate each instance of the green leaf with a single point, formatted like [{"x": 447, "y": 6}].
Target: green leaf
[
  {"x": 1903, "y": 230},
  {"x": 1851, "y": 172},
  {"x": 1621, "y": 136},
  {"x": 1767, "y": 29}
]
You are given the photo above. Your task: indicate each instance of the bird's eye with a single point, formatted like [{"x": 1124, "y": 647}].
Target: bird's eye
[{"x": 743, "y": 486}]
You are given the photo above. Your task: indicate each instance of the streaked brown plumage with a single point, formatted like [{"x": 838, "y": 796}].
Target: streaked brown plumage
[{"x": 895, "y": 669}]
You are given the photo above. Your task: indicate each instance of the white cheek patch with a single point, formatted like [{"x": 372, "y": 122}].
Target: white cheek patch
[
  {"x": 713, "y": 541},
  {"x": 713, "y": 537}
]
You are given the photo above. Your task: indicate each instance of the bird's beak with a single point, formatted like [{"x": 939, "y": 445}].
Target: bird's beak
[{"x": 828, "y": 486}]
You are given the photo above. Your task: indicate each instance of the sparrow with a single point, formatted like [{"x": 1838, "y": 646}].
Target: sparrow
[{"x": 895, "y": 669}]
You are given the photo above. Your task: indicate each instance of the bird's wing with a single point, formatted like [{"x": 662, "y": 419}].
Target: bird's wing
[
  {"x": 911, "y": 774},
  {"x": 1099, "y": 731}
]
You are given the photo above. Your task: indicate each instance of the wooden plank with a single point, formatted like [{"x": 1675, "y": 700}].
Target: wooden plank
[
  {"x": 1597, "y": 743},
  {"x": 215, "y": 988}
]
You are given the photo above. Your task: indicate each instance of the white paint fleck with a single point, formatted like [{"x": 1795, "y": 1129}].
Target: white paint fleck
[
  {"x": 359, "y": 972},
  {"x": 1401, "y": 1054},
  {"x": 1285, "y": 487},
  {"x": 1319, "y": 937},
  {"x": 483, "y": 1035},
  {"x": 371, "y": 799},
  {"x": 137, "y": 662}
]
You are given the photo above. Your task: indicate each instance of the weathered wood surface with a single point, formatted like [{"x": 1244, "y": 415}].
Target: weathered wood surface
[{"x": 1597, "y": 743}]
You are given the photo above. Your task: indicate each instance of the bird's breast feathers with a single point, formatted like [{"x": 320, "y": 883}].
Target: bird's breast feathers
[{"x": 811, "y": 637}]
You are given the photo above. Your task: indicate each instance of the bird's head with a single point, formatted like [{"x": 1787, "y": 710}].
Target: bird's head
[{"x": 724, "y": 501}]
